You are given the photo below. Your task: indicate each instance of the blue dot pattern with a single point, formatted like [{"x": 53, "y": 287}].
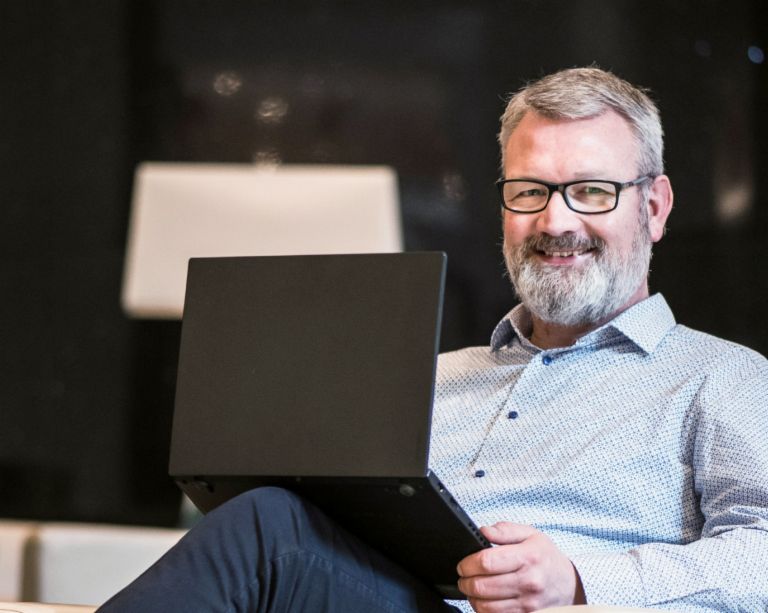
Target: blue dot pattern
[{"x": 641, "y": 451}]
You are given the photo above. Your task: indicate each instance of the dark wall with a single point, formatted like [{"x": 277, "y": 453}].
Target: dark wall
[{"x": 90, "y": 88}]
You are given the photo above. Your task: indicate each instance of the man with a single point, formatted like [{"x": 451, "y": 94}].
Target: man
[{"x": 612, "y": 455}]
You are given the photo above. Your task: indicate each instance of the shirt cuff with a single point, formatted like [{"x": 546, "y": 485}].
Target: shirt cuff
[{"x": 610, "y": 579}]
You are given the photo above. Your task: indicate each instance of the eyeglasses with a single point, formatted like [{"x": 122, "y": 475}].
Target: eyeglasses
[{"x": 590, "y": 196}]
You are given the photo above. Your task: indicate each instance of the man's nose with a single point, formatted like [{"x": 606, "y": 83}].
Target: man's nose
[{"x": 557, "y": 218}]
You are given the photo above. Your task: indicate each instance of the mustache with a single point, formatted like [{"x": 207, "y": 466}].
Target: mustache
[{"x": 566, "y": 242}]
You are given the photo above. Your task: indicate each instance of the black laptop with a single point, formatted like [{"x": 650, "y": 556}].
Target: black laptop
[{"x": 316, "y": 373}]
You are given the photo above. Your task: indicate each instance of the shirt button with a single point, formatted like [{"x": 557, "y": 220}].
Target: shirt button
[
  {"x": 479, "y": 473},
  {"x": 512, "y": 415},
  {"x": 547, "y": 359}
]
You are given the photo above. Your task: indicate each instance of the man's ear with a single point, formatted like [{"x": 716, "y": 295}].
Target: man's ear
[{"x": 659, "y": 206}]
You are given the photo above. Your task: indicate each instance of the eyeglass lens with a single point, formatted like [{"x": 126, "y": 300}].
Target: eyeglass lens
[{"x": 584, "y": 196}]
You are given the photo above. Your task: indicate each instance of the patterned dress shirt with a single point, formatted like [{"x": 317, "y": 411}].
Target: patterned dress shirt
[{"x": 641, "y": 451}]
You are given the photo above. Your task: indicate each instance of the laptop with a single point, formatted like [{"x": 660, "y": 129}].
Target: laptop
[{"x": 316, "y": 373}]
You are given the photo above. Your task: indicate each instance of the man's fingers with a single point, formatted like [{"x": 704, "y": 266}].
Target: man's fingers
[
  {"x": 497, "y": 560},
  {"x": 488, "y": 587},
  {"x": 491, "y": 561},
  {"x": 507, "y": 533}
]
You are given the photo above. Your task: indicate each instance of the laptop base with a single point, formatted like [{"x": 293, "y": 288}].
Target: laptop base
[{"x": 381, "y": 511}]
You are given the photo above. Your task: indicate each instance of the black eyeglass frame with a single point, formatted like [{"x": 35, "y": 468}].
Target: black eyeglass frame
[{"x": 561, "y": 187}]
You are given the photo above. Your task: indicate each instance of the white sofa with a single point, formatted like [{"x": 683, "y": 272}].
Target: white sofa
[
  {"x": 76, "y": 564},
  {"x": 36, "y": 607}
]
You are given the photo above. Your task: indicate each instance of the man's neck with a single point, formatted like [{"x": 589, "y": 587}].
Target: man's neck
[{"x": 548, "y": 335}]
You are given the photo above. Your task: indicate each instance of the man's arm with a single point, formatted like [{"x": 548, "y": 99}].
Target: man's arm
[
  {"x": 723, "y": 568},
  {"x": 720, "y": 569}
]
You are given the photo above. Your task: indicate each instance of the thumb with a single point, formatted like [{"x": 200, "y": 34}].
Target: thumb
[{"x": 507, "y": 533}]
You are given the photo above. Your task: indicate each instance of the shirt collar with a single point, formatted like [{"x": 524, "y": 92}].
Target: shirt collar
[
  {"x": 516, "y": 324},
  {"x": 645, "y": 324}
]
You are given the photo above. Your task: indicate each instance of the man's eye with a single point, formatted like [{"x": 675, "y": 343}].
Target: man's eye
[
  {"x": 591, "y": 190},
  {"x": 530, "y": 193}
]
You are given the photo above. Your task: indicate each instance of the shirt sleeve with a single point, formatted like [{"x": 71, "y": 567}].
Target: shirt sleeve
[{"x": 723, "y": 568}]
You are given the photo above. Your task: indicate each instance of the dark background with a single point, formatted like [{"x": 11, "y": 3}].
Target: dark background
[{"x": 90, "y": 88}]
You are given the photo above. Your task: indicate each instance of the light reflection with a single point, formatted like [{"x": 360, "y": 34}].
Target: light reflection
[
  {"x": 272, "y": 110},
  {"x": 267, "y": 158},
  {"x": 755, "y": 55},
  {"x": 227, "y": 83},
  {"x": 734, "y": 202},
  {"x": 454, "y": 186}
]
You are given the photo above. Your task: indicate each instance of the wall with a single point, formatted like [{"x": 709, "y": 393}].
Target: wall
[{"x": 91, "y": 88}]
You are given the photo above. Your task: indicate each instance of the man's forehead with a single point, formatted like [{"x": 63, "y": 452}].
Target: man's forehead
[{"x": 584, "y": 148}]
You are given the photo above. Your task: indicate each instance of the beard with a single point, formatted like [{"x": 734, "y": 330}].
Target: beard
[{"x": 583, "y": 295}]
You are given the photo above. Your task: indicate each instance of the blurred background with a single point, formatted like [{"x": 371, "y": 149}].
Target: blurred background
[{"x": 88, "y": 89}]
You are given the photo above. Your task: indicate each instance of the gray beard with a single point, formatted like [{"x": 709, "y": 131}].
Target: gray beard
[{"x": 578, "y": 296}]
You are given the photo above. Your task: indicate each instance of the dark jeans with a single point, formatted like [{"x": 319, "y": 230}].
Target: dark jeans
[{"x": 269, "y": 550}]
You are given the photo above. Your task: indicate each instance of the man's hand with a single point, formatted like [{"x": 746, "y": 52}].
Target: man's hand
[{"x": 524, "y": 573}]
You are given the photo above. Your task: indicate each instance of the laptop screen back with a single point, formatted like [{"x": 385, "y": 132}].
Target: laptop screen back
[{"x": 308, "y": 365}]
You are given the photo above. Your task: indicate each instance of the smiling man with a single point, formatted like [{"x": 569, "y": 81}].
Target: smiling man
[
  {"x": 613, "y": 455},
  {"x": 617, "y": 456}
]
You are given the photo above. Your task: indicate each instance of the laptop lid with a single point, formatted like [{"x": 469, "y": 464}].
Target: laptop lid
[{"x": 308, "y": 365}]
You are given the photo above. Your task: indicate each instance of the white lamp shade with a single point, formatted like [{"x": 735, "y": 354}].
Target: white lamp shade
[{"x": 181, "y": 211}]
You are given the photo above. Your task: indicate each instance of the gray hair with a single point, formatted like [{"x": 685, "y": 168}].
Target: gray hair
[{"x": 582, "y": 93}]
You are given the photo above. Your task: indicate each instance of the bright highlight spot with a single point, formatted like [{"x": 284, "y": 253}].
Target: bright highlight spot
[
  {"x": 272, "y": 110},
  {"x": 227, "y": 83},
  {"x": 755, "y": 55}
]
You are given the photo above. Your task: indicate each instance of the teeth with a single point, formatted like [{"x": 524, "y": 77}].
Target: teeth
[{"x": 563, "y": 254}]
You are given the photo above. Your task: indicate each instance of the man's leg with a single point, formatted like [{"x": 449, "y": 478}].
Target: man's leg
[{"x": 269, "y": 550}]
